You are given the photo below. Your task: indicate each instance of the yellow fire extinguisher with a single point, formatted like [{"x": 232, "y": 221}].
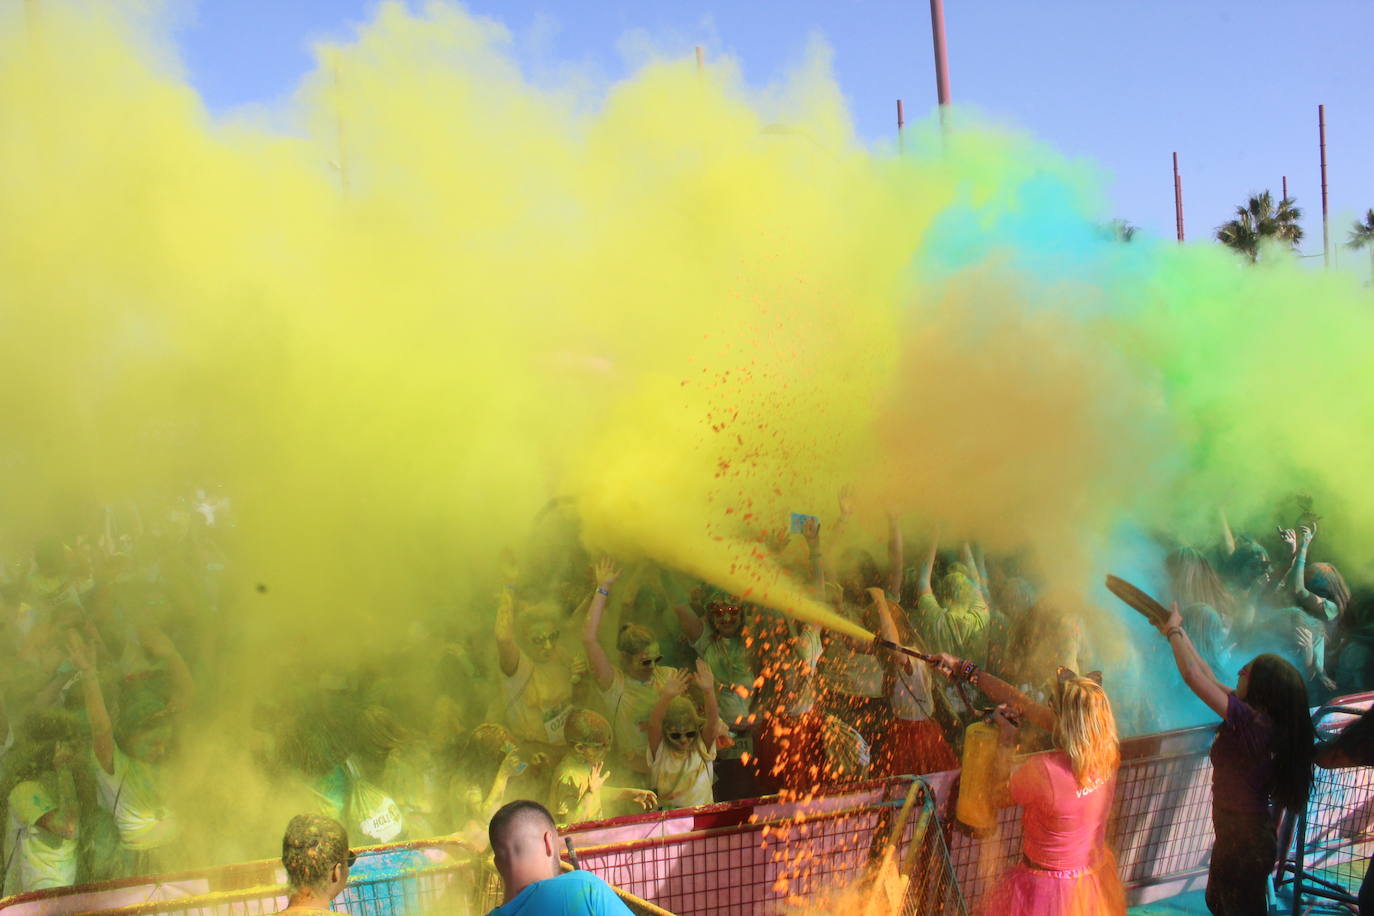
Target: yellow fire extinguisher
[{"x": 975, "y": 810}]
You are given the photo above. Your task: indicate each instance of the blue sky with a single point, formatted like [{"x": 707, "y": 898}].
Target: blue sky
[{"x": 1232, "y": 86}]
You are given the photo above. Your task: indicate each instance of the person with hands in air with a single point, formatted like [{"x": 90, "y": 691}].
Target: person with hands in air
[
  {"x": 1320, "y": 591},
  {"x": 682, "y": 743},
  {"x": 631, "y": 689},
  {"x": 537, "y": 677},
  {"x": 1261, "y": 761},
  {"x": 1066, "y": 869},
  {"x": 128, "y": 772},
  {"x": 723, "y": 642}
]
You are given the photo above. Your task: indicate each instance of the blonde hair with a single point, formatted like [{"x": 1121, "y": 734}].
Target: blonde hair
[{"x": 1085, "y": 729}]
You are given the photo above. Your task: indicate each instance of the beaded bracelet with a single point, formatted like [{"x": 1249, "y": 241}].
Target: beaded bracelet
[
  {"x": 968, "y": 670},
  {"x": 1169, "y": 634}
]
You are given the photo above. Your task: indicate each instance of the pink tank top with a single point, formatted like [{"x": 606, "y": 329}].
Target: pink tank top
[{"x": 1065, "y": 825}]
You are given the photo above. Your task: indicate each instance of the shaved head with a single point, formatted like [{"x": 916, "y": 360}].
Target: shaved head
[{"x": 524, "y": 841}]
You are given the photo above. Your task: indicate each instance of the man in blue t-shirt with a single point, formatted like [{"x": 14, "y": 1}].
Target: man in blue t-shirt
[{"x": 524, "y": 840}]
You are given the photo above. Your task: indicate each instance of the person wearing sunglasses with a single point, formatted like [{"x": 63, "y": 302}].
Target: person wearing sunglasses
[
  {"x": 579, "y": 781},
  {"x": 538, "y": 676},
  {"x": 682, "y": 741},
  {"x": 630, "y": 690},
  {"x": 317, "y": 860},
  {"x": 722, "y": 640},
  {"x": 1261, "y": 761}
]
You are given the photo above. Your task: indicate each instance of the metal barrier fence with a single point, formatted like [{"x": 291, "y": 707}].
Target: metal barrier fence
[
  {"x": 1160, "y": 825},
  {"x": 772, "y": 855},
  {"x": 1335, "y": 835},
  {"x": 780, "y": 854}
]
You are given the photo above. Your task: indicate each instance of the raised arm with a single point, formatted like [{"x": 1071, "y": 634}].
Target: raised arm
[
  {"x": 606, "y": 574},
  {"x": 707, "y": 682},
  {"x": 927, "y": 565},
  {"x": 675, "y": 686},
  {"x": 975, "y": 571},
  {"x": 1228, "y": 540},
  {"x": 183, "y": 686},
  {"x": 888, "y": 628},
  {"x": 1197, "y": 674},
  {"x": 811, "y": 531},
  {"x": 97, "y": 716},
  {"x": 896, "y": 558},
  {"x": 1313, "y": 604},
  {"x": 506, "y": 649},
  {"x": 692, "y": 627}
]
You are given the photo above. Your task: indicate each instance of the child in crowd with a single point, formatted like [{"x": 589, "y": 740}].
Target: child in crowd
[
  {"x": 579, "y": 780},
  {"x": 682, "y": 742}
]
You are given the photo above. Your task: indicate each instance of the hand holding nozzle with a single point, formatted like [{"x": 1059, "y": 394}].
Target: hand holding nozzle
[{"x": 880, "y": 643}]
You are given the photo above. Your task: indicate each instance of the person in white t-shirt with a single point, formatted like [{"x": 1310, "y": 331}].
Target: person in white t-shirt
[
  {"x": 682, "y": 741},
  {"x": 40, "y": 846},
  {"x": 128, "y": 773},
  {"x": 538, "y": 678},
  {"x": 631, "y": 690}
]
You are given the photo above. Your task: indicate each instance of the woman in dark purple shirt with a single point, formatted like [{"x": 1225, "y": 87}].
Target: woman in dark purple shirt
[{"x": 1261, "y": 761}]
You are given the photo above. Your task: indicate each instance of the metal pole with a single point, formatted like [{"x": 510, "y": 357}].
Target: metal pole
[
  {"x": 701, "y": 59},
  {"x": 901, "y": 122},
  {"x": 937, "y": 32},
  {"x": 1326, "y": 226},
  {"x": 1285, "y": 187},
  {"x": 343, "y": 136},
  {"x": 1178, "y": 200}
]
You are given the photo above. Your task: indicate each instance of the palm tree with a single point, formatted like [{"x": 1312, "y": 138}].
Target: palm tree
[
  {"x": 1259, "y": 221},
  {"x": 1122, "y": 230},
  {"x": 1362, "y": 236}
]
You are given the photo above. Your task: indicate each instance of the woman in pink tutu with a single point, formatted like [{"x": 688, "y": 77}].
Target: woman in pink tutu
[{"x": 1066, "y": 868}]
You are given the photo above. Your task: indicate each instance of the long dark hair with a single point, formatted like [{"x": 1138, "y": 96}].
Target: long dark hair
[{"x": 1278, "y": 690}]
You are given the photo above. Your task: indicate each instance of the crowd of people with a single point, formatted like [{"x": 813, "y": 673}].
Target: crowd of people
[{"x": 599, "y": 690}]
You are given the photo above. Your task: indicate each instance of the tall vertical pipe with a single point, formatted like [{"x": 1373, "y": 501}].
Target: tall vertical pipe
[
  {"x": 901, "y": 122},
  {"x": 1326, "y": 226},
  {"x": 1285, "y": 187},
  {"x": 1178, "y": 200},
  {"x": 937, "y": 32}
]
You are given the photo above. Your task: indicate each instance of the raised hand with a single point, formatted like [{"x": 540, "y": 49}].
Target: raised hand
[
  {"x": 505, "y": 619},
  {"x": 1306, "y": 534},
  {"x": 1289, "y": 537},
  {"x": 597, "y": 778},
  {"x": 704, "y": 679},
  {"x": 1175, "y": 619},
  {"x": 676, "y": 685},
  {"x": 846, "y": 501},
  {"x": 811, "y": 530},
  {"x": 606, "y": 573},
  {"x": 776, "y": 540}
]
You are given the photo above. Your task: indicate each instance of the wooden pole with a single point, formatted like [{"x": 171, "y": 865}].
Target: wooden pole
[
  {"x": 1178, "y": 200},
  {"x": 701, "y": 59}
]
